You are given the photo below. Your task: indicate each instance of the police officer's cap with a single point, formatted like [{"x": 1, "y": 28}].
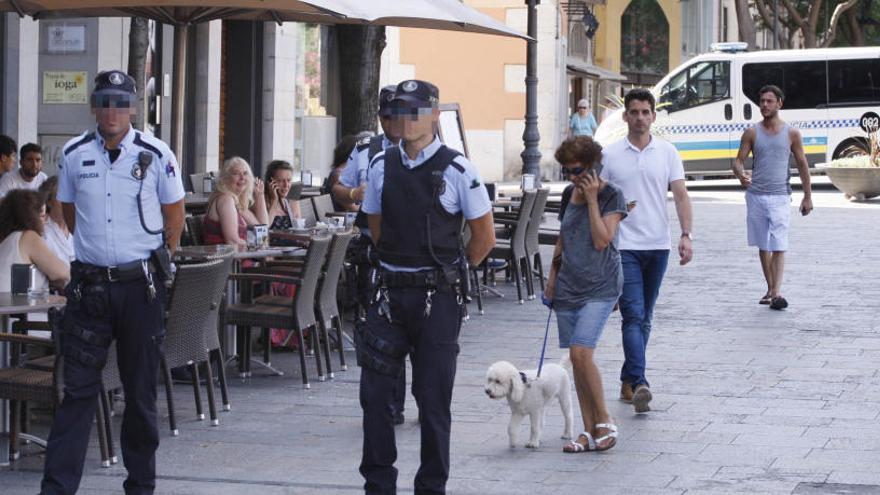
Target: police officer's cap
[
  {"x": 386, "y": 96},
  {"x": 114, "y": 82},
  {"x": 416, "y": 92}
]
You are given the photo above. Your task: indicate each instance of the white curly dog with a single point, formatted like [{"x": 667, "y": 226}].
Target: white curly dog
[{"x": 528, "y": 395}]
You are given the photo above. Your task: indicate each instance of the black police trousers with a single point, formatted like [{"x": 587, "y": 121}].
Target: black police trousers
[
  {"x": 95, "y": 314},
  {"x": 433, "y": 348}
]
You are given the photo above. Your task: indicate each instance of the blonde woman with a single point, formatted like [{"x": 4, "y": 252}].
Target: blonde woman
[{"x": 237, "y": 202}]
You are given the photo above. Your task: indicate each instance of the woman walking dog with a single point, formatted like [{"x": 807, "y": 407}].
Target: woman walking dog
[{"x": 586, "y": 280}]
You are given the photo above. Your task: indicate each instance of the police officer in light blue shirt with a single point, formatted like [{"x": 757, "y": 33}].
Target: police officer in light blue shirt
[
  {"x": 122, "y": 197},
  {"x": 418, "y": 196},
  {"x": 350, "y": 191},
  {"x": 350, "y": 188}
]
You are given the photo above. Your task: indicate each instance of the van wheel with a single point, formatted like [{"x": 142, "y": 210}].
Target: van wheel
[{"x": 852, "y": 147}]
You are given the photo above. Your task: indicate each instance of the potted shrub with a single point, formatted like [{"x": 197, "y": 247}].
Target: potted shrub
[{"x": 858, "y": 177}]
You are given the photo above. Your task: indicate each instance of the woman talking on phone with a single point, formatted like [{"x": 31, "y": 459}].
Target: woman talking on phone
[
  {"x": 586, "y": 280},
  {"x": 279, "y": 178}
]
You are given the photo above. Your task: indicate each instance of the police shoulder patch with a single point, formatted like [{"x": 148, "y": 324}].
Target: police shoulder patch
[{"x": 475, "y": 183}]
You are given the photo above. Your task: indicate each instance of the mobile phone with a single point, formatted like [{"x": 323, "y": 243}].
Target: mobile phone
[{"x": 598, "y": 169}]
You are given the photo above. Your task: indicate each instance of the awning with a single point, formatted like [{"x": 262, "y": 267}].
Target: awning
[
  {"x": 594, "y": 71},
  {"x": 450, "y": 15}
]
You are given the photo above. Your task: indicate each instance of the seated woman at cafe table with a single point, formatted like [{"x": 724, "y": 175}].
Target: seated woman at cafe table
[
  {"x": 22, "y": 213},
  {"x": 237, "y": 202},
  {"x": 56, "y": 234},
  {"x": 279, "y": 178}
]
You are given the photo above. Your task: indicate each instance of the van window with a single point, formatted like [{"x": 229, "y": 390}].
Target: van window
[
  {"x": 701, "y": 83},
  {"x": 804, "y": 83},
  {"x": 854, "y": 82}
]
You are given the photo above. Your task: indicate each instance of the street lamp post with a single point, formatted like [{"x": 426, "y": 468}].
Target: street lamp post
[{"x": 531, "y": 137}]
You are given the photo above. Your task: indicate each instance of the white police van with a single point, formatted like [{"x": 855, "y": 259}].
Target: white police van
[{"x": 831, "y": 94}]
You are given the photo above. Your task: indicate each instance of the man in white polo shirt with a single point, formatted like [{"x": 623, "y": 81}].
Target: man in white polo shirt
[
  {"x": 644, "y": 167},
  {"x": 29, "y": 174}
]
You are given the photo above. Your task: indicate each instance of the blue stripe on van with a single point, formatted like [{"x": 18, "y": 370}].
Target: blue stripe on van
[{"x": 732, "y": 145}]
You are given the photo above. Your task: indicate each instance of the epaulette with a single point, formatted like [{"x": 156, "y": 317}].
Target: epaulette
[
  {"x": 86, "y": 139},
  {"x": 362, "y": 146},
  {"x": 138, "y": 140}
]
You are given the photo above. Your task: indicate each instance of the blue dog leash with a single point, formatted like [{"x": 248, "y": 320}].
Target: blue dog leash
[{"x": 546, "y": 333}]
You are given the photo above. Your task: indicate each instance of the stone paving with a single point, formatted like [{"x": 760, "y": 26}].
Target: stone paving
[{"x": 746, "y": 400}]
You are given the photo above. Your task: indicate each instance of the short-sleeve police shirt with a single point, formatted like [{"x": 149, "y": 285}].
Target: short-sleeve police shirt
[
  {"x": 464, "y": 192},
  {"x": 355, "y": 172},
  {"x": 108, "y": 230}
]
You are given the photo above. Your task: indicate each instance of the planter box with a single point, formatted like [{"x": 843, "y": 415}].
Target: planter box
[{"x": 857, "y": 183}]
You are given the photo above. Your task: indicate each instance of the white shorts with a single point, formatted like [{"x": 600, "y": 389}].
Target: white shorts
[{"x": 767, "y": 219}]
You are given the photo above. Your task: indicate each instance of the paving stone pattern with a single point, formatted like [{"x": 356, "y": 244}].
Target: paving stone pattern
[{"x": 746, "y": 400}]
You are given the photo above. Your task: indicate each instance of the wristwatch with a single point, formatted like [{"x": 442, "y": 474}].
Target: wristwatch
[{"x": 685, "y": 233}]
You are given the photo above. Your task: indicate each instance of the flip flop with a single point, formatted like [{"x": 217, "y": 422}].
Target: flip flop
[
  {"x": 766, "y": 299},
  {"x": 778, "y": 303}
]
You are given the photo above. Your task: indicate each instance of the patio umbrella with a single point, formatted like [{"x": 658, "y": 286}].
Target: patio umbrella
[{"x": 434, "y": 14}]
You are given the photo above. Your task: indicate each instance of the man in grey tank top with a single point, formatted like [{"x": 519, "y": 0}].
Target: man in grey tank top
[{"x": 768, "y": 193}]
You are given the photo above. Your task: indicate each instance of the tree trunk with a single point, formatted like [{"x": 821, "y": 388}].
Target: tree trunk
[
  {"x": 856, "y": 36},
  {"x": 360, "y": 52},
  {"x": 138, "y": 42},
  {"x": 840, "y": 10},
  {"x": 746, "y": 24}
]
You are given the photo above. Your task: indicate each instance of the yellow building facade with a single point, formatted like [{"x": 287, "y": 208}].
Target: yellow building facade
[{"x": 485, "y": 74}]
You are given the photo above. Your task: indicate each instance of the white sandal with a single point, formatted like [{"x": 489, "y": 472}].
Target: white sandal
[
  {"x": 575, "y": 447},
  {"x": 611, "y": 435}
]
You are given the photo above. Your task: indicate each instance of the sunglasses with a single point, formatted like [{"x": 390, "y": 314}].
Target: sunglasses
[
  {"x": 582, "y": 108},
  {"x": 573, "y": 171},
  {"x": 112, "y": 101}
]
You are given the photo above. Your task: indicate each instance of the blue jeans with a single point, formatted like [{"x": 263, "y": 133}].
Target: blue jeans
[{"x": 642, "y": 275}]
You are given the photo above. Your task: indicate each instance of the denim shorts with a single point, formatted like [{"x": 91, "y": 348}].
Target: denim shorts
[{"x": 583, "y": 326}]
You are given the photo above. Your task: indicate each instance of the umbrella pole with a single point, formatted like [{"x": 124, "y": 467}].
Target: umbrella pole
[{"x": 178, "y": 91}]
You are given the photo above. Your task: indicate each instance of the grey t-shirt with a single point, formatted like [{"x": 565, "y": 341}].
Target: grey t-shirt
[{"x": 587, "y": 274}]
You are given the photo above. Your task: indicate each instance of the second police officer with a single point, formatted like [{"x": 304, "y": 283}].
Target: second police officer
[
  {"x": 418, "y": 195},
  {"x": 350, "y": 190},
  {"x": 122, "y": 197}
]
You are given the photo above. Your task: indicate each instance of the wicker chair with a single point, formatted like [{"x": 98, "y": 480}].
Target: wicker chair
[
  {"x": 296, "y": 314},
  {"x": 533, "y": 246},
  {"x": 323, "y": 205},
  {"x": 326, "y": 305},
  {"x": 21, "y": 384},
  {"x": 196, "y": 297},
  {"x": 307, "y": 211},
  {"x": 515, "y": 250},
  {"x": 195, "y": 227}
]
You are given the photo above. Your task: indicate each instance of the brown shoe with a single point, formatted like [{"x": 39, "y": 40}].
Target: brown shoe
[
  {"x": 626, "y": 392},
  {"x": 641, "y": 398}
]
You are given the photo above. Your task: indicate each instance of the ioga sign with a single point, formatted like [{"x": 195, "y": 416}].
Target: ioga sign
[{"x": 65, "y": 87}]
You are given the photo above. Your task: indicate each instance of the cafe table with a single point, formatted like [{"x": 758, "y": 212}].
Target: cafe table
[{"x": 17, "y": 304}]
